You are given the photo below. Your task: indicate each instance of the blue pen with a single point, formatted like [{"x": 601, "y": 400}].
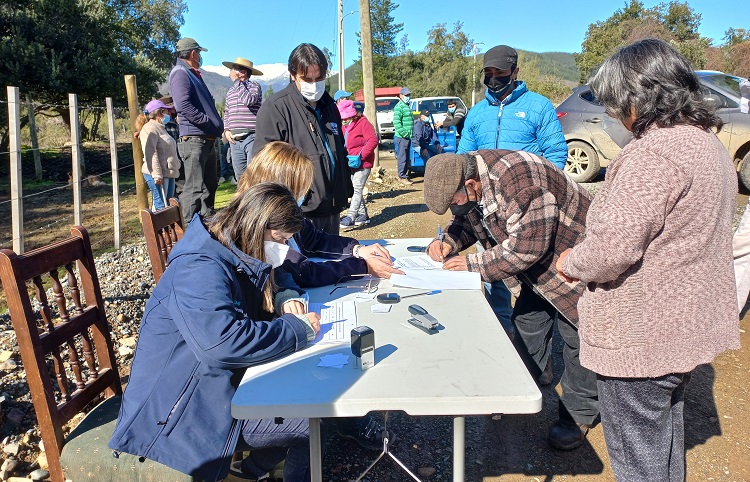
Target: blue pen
[{"x": 440, "y": 238}]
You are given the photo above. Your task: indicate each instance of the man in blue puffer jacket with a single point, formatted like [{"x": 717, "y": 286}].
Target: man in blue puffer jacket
[{"x": 513, "y": 117}]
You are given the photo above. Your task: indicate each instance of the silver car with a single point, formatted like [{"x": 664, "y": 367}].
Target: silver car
[{"x": 594, "y": 138}]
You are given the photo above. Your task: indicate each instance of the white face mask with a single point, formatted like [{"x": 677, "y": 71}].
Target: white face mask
[
  {"x": 275, "y": 253},
  {"x": 312, "y": 91}
]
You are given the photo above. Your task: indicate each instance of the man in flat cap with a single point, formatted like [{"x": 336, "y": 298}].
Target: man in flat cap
[
  {"x": 511, "y": 117},
  {"x": 200, "y": 126},
  {"x": 524, "y": 211},
  {"x": 243, "y": 102}
]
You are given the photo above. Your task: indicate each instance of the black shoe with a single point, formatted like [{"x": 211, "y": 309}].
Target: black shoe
[
  {"x": 567, "y": 435},
  {"x": 367, "y": 432},
  {"x": 235, "y": 472}
]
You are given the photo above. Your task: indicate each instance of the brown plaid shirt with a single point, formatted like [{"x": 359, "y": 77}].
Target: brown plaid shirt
[{"x": 532, "y": 212}]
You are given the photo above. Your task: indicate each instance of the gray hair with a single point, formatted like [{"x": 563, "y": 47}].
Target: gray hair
[{"x": 653, "y": 78}]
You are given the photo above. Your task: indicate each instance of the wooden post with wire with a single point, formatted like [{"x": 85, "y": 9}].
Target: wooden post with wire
[
  {"x": 141, "y": 191},
  {"x": 16, "y": 176},
  {"x": 115, "y": 169},
  {"x": 367, "y": 74},
  {"x": 34, "y": 140},
  {"x": 75, "y": 140}
]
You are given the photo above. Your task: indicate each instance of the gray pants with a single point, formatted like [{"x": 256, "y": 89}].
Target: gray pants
[
  {"x": 199, "y": 158},
  {"x": 357, "y": 205},
  {"x": 644, "y": 426},
  {"x": 242, "y": 153}
]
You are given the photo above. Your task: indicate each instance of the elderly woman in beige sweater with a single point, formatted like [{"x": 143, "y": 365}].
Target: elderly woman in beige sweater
[
  {"x": 161, "y": 166},
  {"x": 656, "y": 259}
]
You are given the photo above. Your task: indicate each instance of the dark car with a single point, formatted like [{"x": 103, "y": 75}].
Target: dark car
[{"x": 594, "y": 138}]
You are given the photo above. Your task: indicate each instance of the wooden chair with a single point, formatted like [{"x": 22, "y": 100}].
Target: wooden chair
[
  {"x": 46, "y": 339},
  {"x": 162, "y": 229}
]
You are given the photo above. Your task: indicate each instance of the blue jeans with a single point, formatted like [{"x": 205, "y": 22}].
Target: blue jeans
[
  {"x": 224, "y": 167},
  {"x": 242, "y": 153},
  {"x": 644, "y": 426},
  {"x": 357, "y": 206},
  {"x": 156, "y": 191},
  {"x": 199, "y": 158},
  {"x": 498, "y": 296},
  {"x": 270, "y": 443},
  {"x": 534, "y": 320},
  {"x": 403, "y": 148}
]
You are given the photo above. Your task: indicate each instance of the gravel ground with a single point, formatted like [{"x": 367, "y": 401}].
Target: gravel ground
[{"x": 512, "y": 448}]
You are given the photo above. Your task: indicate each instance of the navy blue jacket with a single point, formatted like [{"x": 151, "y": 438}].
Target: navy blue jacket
[
  {"x": 424, "y": 134},
  {"x": 198, "y": 334},
  {"x": 196, "y": 110},
  {"x": 315, "y": 243}
]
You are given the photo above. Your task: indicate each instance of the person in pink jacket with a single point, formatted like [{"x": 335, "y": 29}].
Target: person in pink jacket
[
  {"x": 361, "y": 142},
  {"x": 656, "y": 259}
]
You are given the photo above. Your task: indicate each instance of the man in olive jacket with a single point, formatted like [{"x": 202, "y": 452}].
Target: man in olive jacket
[{"x": 304, "y": 115}]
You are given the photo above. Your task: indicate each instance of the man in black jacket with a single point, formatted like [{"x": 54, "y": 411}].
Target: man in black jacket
[{"x": 304, "y": 115}]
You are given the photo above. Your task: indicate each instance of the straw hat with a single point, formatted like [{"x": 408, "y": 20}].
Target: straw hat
[{"x": 243, "y": 63}]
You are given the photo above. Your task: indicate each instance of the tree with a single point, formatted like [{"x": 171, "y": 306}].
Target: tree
[
  {"x": 384, "y": 45},
  {"x": 53, "y": 47},
  {"x": 674, "y": 22}
]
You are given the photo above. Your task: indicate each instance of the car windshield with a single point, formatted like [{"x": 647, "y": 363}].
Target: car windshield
[
  {"x": 383, "y": 105},
  {"x": 727, "y": 83},
  {"x": 435, "y": 106}
]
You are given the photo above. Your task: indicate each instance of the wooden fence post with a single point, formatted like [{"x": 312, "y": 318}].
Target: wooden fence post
[
  {"x": 75, "y": 139},
  {"x": 115, "y": 169},
  {"x": 16, "y": 173},
  {"x": 34, "y": 140},
  {"x": 141, "y": 191}
]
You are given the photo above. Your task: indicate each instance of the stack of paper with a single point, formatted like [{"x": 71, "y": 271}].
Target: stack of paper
[{"x": 438, "y": 280}]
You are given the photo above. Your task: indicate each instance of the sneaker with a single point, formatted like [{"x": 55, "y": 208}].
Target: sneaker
[
  {"x": 366, "y": 431},
  {"x": 233, "y": 182},
  {"x": 405, "y": 181},
  {"x": 236, "y": 473},
  {"x": 346, "y": 222},
  {"x": 361, "y": 219},
  {"x": 222, "y": 180}
]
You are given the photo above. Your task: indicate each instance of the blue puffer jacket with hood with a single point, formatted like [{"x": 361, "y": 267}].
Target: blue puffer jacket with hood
[
  {"x": 198, "y": 334},
  {"x": 523, "y": 121}
]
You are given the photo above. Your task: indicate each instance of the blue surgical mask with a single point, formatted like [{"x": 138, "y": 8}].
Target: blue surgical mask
[
  {"x": 407, "y": 98},
  {"x": 452, "y": 110},
  {"x": 165, "y": 120},
  {"x": 301, "y": 201},
  {"x": 200, "y": 61}
]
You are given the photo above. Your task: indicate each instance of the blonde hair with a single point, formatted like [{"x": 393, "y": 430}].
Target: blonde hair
[
  {"x": 243, "y": 224},
  {"x": 279, "y": 162},
  {"x": 142, "y": 118}
]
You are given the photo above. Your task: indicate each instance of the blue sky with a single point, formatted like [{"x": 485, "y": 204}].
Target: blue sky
[{"x": 264, "y": 34}]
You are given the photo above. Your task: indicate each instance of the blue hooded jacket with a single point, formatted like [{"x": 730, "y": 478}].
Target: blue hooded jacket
[
  {"x": 197, "y": 336},
  {"x": 523, "y": 121}
]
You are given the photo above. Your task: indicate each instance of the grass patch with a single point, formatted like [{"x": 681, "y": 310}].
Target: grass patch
[{"x": 224, "y": 194}]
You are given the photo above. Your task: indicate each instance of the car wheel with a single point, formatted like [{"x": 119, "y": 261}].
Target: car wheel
[
  {"x": 744, "y": 172},
  {"x": 583, "y": 162}
]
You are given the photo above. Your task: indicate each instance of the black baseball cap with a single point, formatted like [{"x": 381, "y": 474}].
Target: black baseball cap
[
  {"x": 501, "y": 57},
  {"x": 425, "y": 112}
]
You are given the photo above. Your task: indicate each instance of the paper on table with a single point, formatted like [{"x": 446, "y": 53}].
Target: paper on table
[
  {"x": 337, "y": 360},
  {"x": 421, "y": 261},
  {"x": 438, "y": 280}
]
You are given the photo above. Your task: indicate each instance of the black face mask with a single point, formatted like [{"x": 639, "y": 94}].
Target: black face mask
[
  {"x": 462, "y": 209},
  {"x": 498, "y": 85}
]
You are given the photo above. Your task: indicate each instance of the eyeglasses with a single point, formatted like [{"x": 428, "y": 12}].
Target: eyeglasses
[{"x": 356, "y": 282}]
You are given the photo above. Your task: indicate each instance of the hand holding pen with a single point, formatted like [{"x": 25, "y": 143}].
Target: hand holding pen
[{"x": 437, "y": 249}]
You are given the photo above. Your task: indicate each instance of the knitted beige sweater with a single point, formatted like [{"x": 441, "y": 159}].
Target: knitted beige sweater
[
  {"x": 657, "y": 258},
  {"x": 159, "y": 151}
]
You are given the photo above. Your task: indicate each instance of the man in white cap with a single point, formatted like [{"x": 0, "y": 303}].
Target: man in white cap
[
  {"x": 243, "y": 102},
  {"x": 200, "y": 126}
]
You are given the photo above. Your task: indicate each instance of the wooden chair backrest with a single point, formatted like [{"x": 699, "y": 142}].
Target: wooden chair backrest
[
  {"x": 162, "y": 229},
  {"x": 60, "y": 331}
]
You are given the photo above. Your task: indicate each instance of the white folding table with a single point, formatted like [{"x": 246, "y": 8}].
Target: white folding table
[{"x": 469, "y": 367}]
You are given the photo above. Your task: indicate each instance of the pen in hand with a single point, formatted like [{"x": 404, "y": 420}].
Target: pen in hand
[{"x": 440, "y": 238}]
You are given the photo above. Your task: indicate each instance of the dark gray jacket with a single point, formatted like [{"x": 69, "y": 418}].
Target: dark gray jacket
[{"x": 288, "y": 117}]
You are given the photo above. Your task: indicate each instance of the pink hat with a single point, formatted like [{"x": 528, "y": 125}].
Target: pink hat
[{"x": 346, "y": 109}]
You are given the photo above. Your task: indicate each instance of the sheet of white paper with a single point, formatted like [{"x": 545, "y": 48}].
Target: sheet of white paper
[
  {"x": 337, "y": 319},
  {"x": 421, "y": 261},
  {"x": 380, "y": 308},
  {"x": 362, "y": 297},
  {"x": 337, "y": 360},
  {"x": 438, "y": 280}
]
